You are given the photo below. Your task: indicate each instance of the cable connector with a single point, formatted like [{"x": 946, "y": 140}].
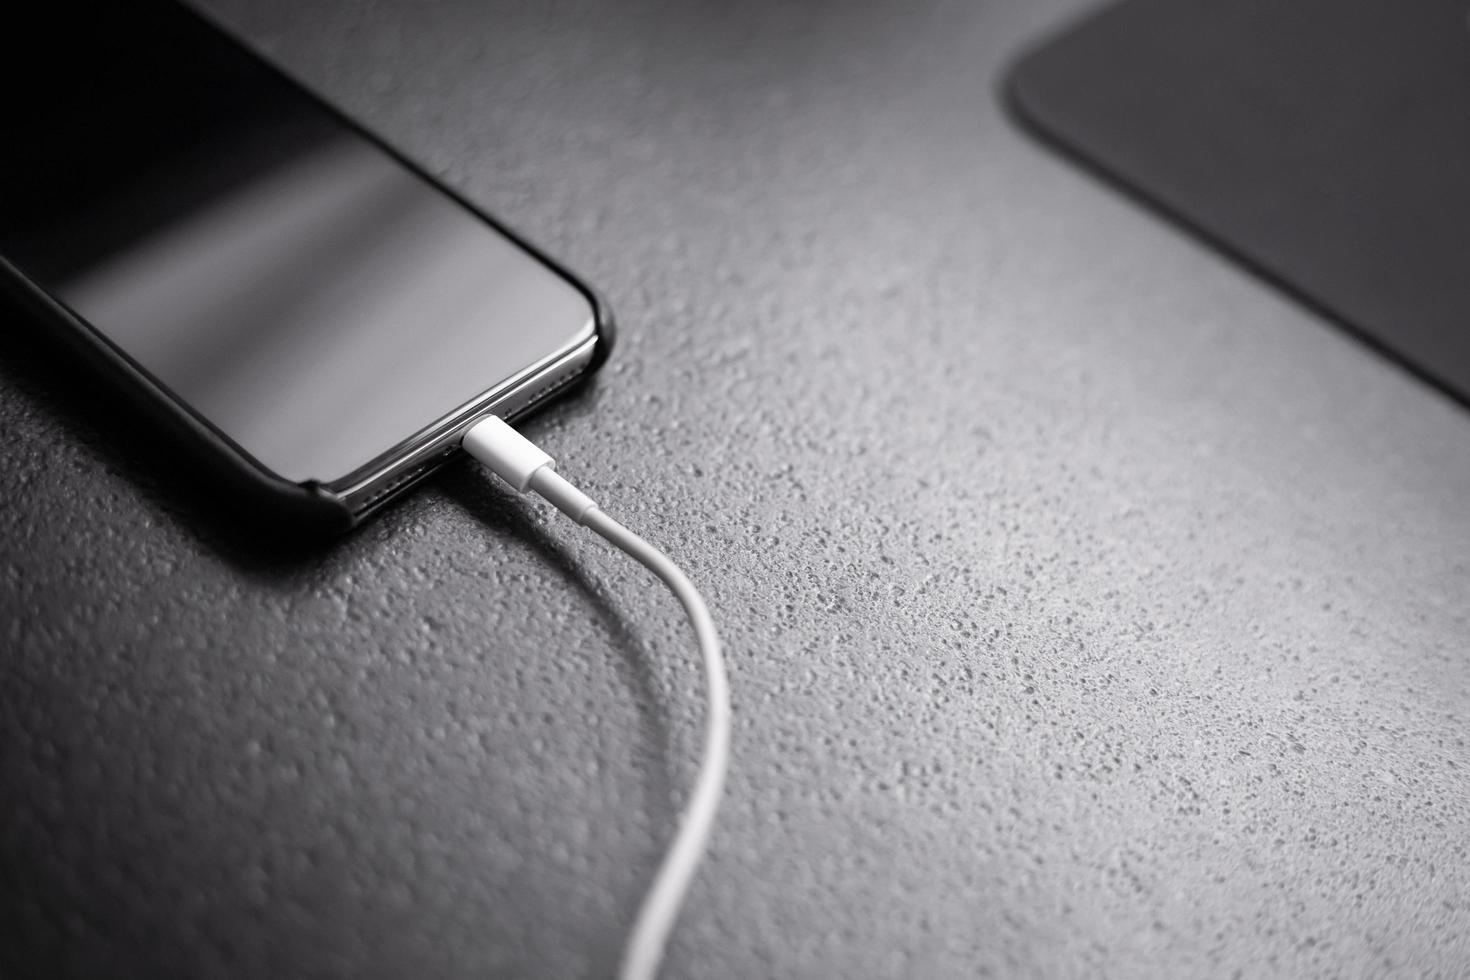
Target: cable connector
[
  {"x": 525, "y": 466},
  {"x": 510, "y": 455}
]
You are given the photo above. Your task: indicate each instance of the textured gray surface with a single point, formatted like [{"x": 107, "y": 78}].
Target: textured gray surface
[{"x": 1091, "y": 609}]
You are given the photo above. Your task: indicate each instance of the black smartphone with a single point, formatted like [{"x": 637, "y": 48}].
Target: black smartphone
[{"x": 321, "y": 317}]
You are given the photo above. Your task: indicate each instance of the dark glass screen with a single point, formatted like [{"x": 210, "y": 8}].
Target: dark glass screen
[{"x": 309, "y": 296}]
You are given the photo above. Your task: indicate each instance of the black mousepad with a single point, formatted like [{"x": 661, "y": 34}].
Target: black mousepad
[{"x": 1326, "y": 143}]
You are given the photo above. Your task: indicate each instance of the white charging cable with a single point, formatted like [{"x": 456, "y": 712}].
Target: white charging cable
[{"x": 519, "y": 462}]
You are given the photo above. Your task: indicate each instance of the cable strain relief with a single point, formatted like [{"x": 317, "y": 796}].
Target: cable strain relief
[{"x": 561, "y": 494}]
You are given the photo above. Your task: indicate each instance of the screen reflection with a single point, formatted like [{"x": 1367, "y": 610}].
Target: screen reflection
[{"x": 309, "y": 296}]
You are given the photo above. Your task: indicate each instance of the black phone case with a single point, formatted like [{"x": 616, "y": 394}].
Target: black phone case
[{"x": 306, "y": 506}]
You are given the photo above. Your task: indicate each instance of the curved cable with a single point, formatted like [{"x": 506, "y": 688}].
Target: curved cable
[
  {"x": 661, "y": 906},
  {"x": 524, "y": 466}
]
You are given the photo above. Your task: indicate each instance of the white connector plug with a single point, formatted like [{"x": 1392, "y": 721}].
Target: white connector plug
[{"x": 525, "y": 466}]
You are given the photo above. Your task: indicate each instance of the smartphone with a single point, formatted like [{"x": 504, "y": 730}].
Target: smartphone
[{"x": 319, "y": 317}]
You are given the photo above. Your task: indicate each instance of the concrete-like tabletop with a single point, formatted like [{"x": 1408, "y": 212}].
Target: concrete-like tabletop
[{"x": 1091, "y": 608}]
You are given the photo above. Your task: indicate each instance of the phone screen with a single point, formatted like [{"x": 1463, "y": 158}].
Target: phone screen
[{"x": 290, "y": 281}]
